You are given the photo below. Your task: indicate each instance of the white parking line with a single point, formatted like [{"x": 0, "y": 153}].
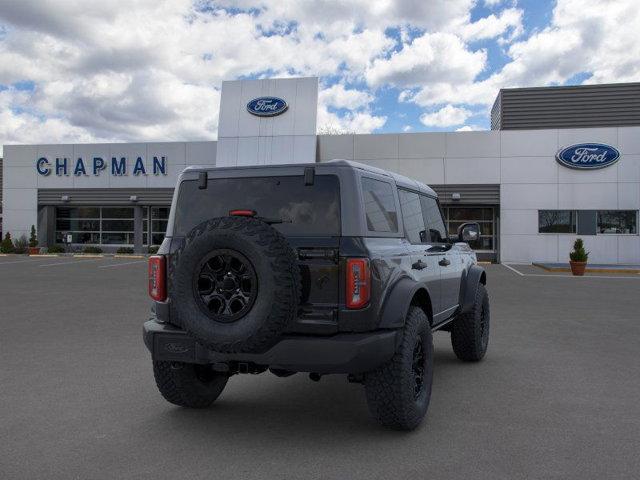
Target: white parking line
[
  {"x": 513, "y": 269},
  {"x": 565, "y": 276},
  {"x": 121, "y": 264},
  {"x": 69, "y": 263}
]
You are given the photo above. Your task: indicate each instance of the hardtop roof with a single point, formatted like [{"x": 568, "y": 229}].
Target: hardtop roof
[{"x": 400, "y": 180}]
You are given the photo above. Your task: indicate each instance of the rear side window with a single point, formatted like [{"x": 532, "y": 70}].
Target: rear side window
[
  {"x": 412, "y": 216},
  {"x": 433, "y": 219},
  {"x": 305, "y": 210},
  {"x": 379, "y": 206}
]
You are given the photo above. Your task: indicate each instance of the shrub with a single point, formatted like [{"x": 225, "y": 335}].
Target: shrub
[
  {"x": 33, "y": 238},
  {"x": 56, "y": 249},
  {"x": 153, "y": 249},
  {"x": 125, "y": 250},
  {"x": 7, "y": 244},
  {"x": 92, "y": 250},
  {"x": 21, "y": 244},
  {"x": 579, "y": 254}
]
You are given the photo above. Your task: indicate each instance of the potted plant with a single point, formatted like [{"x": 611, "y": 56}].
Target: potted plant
[
  {"x": 578, "y": 258},
  {"x": 21, "y": 245},
  {"x": 7, "y": 244},
  {"x": 33, "y": 242}
]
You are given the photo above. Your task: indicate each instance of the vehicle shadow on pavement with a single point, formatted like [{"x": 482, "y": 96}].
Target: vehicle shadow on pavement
[{"x": 286, "y": 406}]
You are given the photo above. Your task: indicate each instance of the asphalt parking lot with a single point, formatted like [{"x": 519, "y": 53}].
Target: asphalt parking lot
[{"x": 558, "y": 395}]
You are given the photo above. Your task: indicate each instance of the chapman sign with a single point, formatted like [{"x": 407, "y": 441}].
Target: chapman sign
[
  {"x": 96, "y": 165},
  {"x": 588, "y": 156},
  {"x": 267, "y": 106}
]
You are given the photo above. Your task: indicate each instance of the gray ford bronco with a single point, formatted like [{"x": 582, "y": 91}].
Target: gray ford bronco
[{"x": 324, "y": 268}]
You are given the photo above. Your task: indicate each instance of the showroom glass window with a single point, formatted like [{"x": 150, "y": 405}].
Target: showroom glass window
[
  {"x": 158, "y": 226},
  {"x": 618, "y": 221},
  {"x": 82, "y": 223},
  {"x": 95, "y": 225},
  {"x": 556, "y": 221},
  {"x": 380, "y": 207}
]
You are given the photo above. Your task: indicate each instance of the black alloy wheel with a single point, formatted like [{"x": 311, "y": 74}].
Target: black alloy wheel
[
  {"x": 418, "y": 368},
  {"x": 225, "y": 285}
]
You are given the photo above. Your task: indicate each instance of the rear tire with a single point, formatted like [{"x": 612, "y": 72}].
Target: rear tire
[
  {"x": 188, "y": 385},
  {"x": 470, "y": 331},
  {"x": 398, "y": 392}
]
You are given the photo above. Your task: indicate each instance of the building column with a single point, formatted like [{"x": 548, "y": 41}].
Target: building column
[
  {"x": 46, "y": 228},
  {"x": 138, "y": 214}
]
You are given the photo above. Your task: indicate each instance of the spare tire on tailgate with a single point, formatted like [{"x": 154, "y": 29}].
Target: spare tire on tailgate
[{"x": 235, "y": 284}]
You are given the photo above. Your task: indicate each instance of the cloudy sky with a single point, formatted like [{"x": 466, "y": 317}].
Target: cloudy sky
[{"x": 126, "y": 70}]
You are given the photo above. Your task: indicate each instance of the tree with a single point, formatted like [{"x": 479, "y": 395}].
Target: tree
[
  {"x": 33, "y": 239},
  {"x": 7, "y": 244}
]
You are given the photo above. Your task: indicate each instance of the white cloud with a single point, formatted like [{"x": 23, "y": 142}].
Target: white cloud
[
  {"x": 469, "y": 128},
  {"x": 583, "y": 37},
  {"x": 351, "y": 122},
  {"x": 509, "y": 20},
  {"x": 338, "y": 96},
  {"x": 407, "y": 128},
  {"x": 151, "y": 69},
  {"x": 447, "y": 116},
  {"x": 432, "y": 57}
]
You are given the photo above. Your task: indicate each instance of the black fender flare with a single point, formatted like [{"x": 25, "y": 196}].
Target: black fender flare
[
  {"x": 469, "y": 285},
  {"x": 396, "y": 305}
]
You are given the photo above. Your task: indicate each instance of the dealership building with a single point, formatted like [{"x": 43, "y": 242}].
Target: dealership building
[{"x": 559, "y": 162}]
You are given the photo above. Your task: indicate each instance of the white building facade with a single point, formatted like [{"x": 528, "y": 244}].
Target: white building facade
[{"x": 531, "y": 207}]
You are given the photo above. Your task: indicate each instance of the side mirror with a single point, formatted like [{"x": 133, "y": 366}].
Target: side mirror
[{"x": 468, "y": 232}]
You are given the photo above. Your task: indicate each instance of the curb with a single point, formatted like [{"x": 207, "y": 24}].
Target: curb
[
  {"x": 589, "y": 270},
  {"x": 128, "y": 256}
]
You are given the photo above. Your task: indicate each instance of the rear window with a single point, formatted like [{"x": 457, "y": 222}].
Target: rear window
[{"x": 311, "y": 210}]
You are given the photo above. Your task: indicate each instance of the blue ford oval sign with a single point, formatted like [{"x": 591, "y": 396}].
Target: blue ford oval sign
[
  {"x": 588, "y": 156},
  {"x": 267, "y": 106}
]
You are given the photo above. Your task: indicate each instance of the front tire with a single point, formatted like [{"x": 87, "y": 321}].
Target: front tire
[
  {"x": 470, "y": 331},
  {"x": 398, "y": 392},
  {"x": 188, "y": 385}
]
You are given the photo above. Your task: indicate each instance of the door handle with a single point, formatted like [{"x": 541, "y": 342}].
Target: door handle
[
  {"x": 444, "y": 262},
  {"x": 419, "y": 265}
]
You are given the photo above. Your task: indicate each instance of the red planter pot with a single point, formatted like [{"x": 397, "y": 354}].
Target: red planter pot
[
  {"x": 578, "y": 268},
  {"x": 34, "y": 250}
]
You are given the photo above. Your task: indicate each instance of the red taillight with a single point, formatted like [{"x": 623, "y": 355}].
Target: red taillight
[
  {"x": 157, "y": 278},
  {"x": 242, "y": 213},
  {"x": 358, "y": 282}
]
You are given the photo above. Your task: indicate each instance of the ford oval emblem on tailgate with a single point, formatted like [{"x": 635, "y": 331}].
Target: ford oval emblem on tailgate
[{"x": 588, "y": 156}]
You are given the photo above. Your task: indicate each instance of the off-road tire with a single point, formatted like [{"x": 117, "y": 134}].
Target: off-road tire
[
  {"x": 390, "y": 389},
  {"x": 278, "y": 283},
  {"x": 470, "y": 331},
  {"x": 188, "y": 385}
]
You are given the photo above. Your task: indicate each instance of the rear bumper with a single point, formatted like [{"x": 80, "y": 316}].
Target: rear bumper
[{"x": 342, "y": 353}]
